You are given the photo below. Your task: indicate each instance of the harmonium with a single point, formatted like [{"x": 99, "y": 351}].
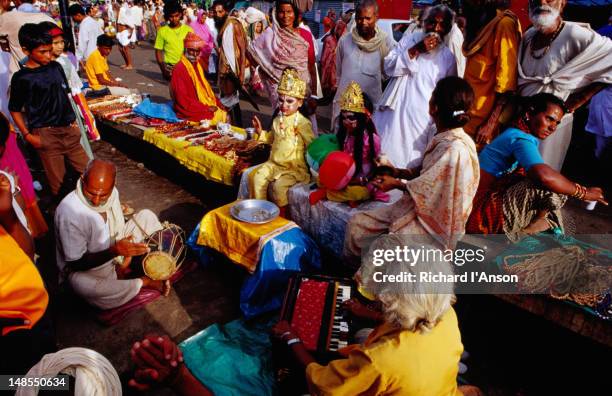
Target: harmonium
[{"x": 313, "y": 307}]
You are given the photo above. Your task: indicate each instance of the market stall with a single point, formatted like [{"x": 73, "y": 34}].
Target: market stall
[{"x": 217, "y": 152}]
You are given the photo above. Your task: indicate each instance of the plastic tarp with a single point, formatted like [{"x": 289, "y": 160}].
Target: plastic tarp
[
  {"x": 282, "y": 256},
  {"x": 163, "y": 111},
  {"x": 234, "y": 359}
]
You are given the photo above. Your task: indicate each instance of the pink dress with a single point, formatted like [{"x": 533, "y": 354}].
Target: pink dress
[{"x": 13, "y": 162}]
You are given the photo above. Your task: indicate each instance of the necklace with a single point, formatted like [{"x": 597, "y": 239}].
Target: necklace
[{"x": 546, "y": 48}]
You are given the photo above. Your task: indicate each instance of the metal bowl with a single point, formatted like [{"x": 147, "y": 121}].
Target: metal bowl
[{"x": 254, "y": 211}]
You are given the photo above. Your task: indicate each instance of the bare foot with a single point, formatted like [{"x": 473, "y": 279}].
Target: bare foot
[
  {"x": 161, "y": 286},
  {"x": 128, "y": 68},
  {"x": 536, "y": 225}
]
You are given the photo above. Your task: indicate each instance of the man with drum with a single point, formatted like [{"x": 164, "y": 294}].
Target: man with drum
[{"x": 94, "y": 243}]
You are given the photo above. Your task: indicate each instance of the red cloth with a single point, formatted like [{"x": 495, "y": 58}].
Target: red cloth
[
  {"x": 306, "y": 35},
  {"x": 308, "y": 312},
  {"x": 186, "y": 103},
  {"x": 328, "y": 24}
]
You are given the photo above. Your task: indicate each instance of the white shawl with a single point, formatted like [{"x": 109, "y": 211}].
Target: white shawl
[
  {"x": 95, "y": 375},
  {"x": 592, "y": 64}
]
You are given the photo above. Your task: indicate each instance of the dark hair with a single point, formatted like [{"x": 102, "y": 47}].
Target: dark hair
[
  {"x": 296, "y": 10},
  {"x": 76, "y": 9},
  {"x": 48, "y": 26},
  {"x": 453, "y": 97},
  {"x": 367, "y": 4},
  {"x": 364, "y": 125},
  {"x": 227, "y": 5},
  {"x": 5, "y": 129},
  {"x": 104, "y": 40},
  {"x": 171, "y": 7},
  {"x": 449, "y": 16},
  {"x": 538, "y": 103},
  {"x": 32, "y": 36}
]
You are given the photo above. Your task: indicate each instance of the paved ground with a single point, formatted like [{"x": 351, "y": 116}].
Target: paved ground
[{"x": 148, "y": 179}]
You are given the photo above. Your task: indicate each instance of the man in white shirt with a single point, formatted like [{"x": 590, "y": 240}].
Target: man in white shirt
[
  {"x": 360, "y": 55},
  {"x": 94, "y": 243},
  {"x": 89, "y": 30},
  {"x": 27, "y": 6}
]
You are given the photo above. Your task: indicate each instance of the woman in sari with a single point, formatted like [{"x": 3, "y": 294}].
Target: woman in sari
[
  {"x": 519, "y": 194},
  {"x": 437, "y": 197},
  {"x": 284, "y": 45},
  {"x": 329, "y": 82},
  {"x": 13, "y": 163},
  {"x": 200, "y": 28}
]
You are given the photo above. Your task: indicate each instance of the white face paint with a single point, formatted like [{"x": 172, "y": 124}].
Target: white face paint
[{"x": 543, "y": 16}]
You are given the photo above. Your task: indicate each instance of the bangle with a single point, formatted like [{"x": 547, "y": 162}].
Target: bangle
[
  {"x": 286, "y": 333},
  {"x": 293, "y": 341}
]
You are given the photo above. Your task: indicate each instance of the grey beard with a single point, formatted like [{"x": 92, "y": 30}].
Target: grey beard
[{"x": 543, "y": 21}]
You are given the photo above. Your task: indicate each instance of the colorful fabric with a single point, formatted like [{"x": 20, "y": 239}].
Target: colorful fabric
[
  {"x": 437, "y": 203},
  {"x": 523, "y": 201},
  {"x": 311, "y": 304},
  {"x": 170, "y": 41},
  {"x": 511, "y": 149},
  {"x": 289, "y": 137},
  {"x": 96, "y": 64},
  {"x": 12, "y": 161},
  {"x": 202, "y": 30},
  {"x": 491, "y": 66},
  {"x": 279, "y": 48},
  {"x": 487, "y": 215},
  {"x": 395, "y": 362},
  {"x": 240, "y": 242},
  {"x": 88, "y": 118},
  {"x": 193, "y": 41},
  {"x": 22, "y": 292},
  {"x": 194, "y": 99},
  {"x": 329, "y": 81},
  {"x": 196, "y": 158},
  {"x": 240, "y": 348}
]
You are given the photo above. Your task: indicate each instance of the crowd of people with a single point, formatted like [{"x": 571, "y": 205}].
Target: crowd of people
[{"x": 469, "y": 115}]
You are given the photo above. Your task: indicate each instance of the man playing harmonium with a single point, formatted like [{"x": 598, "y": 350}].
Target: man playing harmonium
[{"x": 95, "y": 245}]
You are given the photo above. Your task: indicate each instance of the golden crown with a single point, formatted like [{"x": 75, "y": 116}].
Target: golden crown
[
  {"x": 352, "y": 99},
  {"x": 291, "y": 84}
]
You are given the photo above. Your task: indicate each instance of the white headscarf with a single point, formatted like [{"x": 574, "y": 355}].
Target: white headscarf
[{"x": 95, "y": 375}]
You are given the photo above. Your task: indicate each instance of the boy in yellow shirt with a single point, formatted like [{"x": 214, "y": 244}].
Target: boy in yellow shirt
[{"x": 97, "y": 70}]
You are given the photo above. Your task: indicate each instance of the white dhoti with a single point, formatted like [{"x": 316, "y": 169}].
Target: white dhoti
[
  {"x": 554, "y": 148},
  {"x": 100, "y": 286}
]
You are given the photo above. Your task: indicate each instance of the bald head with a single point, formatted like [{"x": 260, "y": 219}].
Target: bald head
[{"x": 99, "y": 181}]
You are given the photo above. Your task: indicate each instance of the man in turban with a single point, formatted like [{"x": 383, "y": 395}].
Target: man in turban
[{"x": 193, "y": 97}]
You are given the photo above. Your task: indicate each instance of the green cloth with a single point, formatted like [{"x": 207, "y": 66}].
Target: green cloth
[
  {"x": 319, "y": 149},
  {"x": 232, "y": 359},
  {"x": 170, "y": 41}
]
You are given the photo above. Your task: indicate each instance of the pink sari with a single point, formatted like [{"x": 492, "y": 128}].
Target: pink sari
[
  {"x": 13, "y": 162},
  {"x": 201, "y": 29}
]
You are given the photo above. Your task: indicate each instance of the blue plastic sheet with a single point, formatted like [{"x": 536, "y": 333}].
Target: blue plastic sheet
[
  {"x": 162, "y": 111},
  {"x": 234, "y": 359},
  {"x": 290, "y": 252}
]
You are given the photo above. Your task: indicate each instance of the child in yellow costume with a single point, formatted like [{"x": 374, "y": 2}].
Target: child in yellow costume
[{"x": 290, "y": 136}]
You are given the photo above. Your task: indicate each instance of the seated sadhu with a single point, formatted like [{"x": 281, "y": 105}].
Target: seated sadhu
[
  {"x": 519, "y": 194},
  {"x": 194, "y": 99},
  {"x": 95, "y": 244}
]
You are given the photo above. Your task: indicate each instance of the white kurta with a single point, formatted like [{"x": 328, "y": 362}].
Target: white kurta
[
  {"x": 80, "y": 230},
  {"x": 402, "y": 116},
  {"x": 561, "y": 72},
  {"x": 89, "y": 30},
  {"x": 365, "y": 68}
]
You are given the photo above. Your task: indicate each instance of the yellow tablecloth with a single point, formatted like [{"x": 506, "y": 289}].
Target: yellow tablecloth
[
  {"x": 240, "y": 242},
  {"x": 196, "y": 158}
]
